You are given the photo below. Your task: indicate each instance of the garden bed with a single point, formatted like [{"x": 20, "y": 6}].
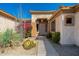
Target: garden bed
[
  {"x": 11, "y": 43},
  {"x": 16, "y": 51}
]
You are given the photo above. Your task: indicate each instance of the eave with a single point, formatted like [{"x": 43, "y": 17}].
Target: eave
[
  {"x": 41, "y": 12},
  {"x": 3, "y": 13}
]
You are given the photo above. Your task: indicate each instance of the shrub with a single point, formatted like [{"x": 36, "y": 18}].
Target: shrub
[
  {"x": 8, "y": 37},
  {"x": 28, "y": 33},
  {"x": 56, "y": 37},
  {"x": 28, "y": 44},
  {"x": 49, "y": 35},
  {"x": 16, "y": 38}
]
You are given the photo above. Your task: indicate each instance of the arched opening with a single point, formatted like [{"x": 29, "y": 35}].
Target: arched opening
[
  {"x": 41, "y": 25},
  {"x": 53, "y": 26}
]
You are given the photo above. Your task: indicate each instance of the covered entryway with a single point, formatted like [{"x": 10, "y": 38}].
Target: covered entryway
[
  {"x": 42, "y": 29},
  {"x": 42, "y": 26},
  {"x": 53, "y": 26}
]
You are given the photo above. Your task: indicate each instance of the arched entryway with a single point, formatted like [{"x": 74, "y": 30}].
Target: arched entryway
[
  {"x": 53, "y": 26},
  {"x": 42, "y": 26}
]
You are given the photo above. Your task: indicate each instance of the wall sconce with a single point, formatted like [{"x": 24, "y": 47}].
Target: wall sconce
[{"x": 41, "y": 20}]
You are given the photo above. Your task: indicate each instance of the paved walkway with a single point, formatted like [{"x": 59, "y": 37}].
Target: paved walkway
[
  {"x": 45, "y": 48},
  {"x": 66, "y": 50}
]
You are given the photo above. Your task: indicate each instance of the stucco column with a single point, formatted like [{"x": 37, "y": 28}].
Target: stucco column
[
  {"x": 34, "y": 32},
  {"x": 48, "y": 26}
]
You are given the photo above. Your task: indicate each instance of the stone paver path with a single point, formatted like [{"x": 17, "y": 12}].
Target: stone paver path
[{"x": 45, "y": 48}]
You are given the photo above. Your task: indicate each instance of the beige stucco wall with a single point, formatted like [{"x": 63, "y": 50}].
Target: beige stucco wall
[
  {"x": 34, "y": 18},
  {"x": 76, "y": 28},
  {"x": 67, "y": 32},
  {"x": 6, "y": 23},
  {"x": 58, "y": 24}
]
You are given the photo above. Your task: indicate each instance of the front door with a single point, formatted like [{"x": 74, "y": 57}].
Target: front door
[{"x": 42, "y": 29}]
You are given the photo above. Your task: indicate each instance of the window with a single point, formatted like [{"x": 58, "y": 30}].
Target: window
[{"x": 69, "y": 20}]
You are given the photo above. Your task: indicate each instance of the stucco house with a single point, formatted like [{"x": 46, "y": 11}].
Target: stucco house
[
  {"x": 40, "y": 22},
  {"x": 7, "y": 21},
  {"x": 65, "y": 20}
]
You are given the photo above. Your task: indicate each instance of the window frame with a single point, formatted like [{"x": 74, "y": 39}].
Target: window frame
[{"x": 69, "y": 16}]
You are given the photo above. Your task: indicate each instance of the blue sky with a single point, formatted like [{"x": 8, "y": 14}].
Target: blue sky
[{"x": 14, "y": 8}]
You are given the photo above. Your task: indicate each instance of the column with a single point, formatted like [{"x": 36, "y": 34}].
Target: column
[{"x": 48, "y": 26}]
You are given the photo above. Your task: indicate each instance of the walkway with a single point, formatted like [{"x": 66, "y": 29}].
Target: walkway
[{"x": 45, "y": 48}]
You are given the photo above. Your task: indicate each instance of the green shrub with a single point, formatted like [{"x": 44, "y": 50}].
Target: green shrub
[
  {"x": 7, "y": 37},
  {"x": 16, "y": 38},
  {"x": 28, "y": 44},
  {"x": 56, "y": 37},
  {"x": 49, "y": 35},
  {"x": 28, "y": 33}
]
